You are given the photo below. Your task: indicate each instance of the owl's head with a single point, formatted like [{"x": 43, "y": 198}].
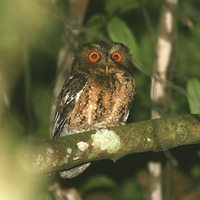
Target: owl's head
[{"x": 103, "y": 59}]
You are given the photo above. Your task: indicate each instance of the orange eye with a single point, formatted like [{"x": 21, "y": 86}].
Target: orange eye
[
  {"x": 94, "y": 56},
  {"x": 116, "y": 57}
]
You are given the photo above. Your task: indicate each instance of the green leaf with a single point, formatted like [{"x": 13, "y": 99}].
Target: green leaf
[
  {"x": 130, "y": 190},
  {"x": 95, "y": 20},
  {"x": 146, "y": 51},
  {"x": 93, "y": 28},
  {"x": 121, "y": 6},
  {"x": 195, "y": 171},
  {"x": 193, "y": 88},
  {"x": 97, "y": 182},
  {"x": 119, "y": 31}
]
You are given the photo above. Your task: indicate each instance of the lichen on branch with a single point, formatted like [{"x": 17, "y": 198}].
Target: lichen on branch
[{"x": 115, "y": 142}]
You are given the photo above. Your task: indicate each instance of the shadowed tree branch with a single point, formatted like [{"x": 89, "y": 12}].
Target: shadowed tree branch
[{"x": 116, "y": 142}]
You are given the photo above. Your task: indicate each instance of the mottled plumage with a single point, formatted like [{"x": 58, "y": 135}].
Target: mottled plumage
[
  {"x": 97, "y": 94},
  {"x": 92, "y": 97}
]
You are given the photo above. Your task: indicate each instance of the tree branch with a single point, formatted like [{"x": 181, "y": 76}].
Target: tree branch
[{"x": 116, "y": 142}]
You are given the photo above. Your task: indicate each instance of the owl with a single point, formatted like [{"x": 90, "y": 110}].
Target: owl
[{"x": 99, "y": 91}]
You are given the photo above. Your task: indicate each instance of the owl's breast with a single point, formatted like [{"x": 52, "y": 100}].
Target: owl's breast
[{"x": 103, "y": 102}]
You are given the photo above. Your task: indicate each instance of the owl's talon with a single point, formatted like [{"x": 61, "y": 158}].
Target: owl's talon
[{"x": 122, "y": 123}]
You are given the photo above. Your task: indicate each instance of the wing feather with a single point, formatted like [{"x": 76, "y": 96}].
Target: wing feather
[{"x": 66, "y": 101}]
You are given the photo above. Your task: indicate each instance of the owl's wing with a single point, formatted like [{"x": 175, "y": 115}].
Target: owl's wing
[{"x": 66, "y": 101}]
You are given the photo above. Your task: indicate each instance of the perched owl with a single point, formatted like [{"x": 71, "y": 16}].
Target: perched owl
[{"x": 99, "y": 91}]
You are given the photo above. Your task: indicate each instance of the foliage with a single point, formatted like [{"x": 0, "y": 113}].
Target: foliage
[
  {"x": 126, "y": 190},
  {"x": 118, "y": 31},
  {"x": 193, "y": 88},
  {"x": 96, "y": 182}
]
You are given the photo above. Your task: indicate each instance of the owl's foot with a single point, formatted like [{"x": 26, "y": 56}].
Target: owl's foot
[
  {"x": 121, "y": 123},
  {"x": 71, "y": 173},
  {"x": 110, "y": 125},
  {"x": 117, "y": 124}
]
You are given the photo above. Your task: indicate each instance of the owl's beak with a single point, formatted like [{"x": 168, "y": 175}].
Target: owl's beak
[{"x": 106, "y": 69}]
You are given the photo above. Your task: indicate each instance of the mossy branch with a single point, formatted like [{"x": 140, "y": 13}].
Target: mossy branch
[{"x": 116, "y": 142}]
